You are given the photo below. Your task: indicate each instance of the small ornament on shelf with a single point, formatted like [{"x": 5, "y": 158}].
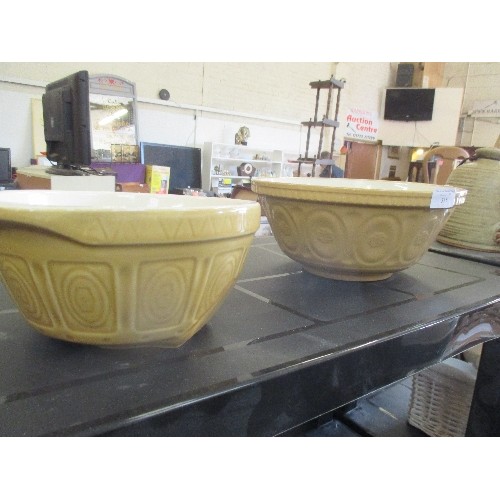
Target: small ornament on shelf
[{"x": 242, "y": 136}]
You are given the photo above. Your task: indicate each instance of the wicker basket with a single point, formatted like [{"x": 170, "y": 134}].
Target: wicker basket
[{"x": 441, "y": 398}]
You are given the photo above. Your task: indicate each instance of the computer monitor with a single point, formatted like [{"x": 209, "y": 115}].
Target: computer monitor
[
  {"x": 184, "y": 163},
  {"x": 66, "y": 117},
  {"x": 5, "y": 166}
]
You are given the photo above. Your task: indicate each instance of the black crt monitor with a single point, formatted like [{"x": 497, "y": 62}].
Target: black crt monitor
[
  {"x": 184, "y": 163},
  {"x": 409, "y": 104},
  {"x": 66, "y": 118}
]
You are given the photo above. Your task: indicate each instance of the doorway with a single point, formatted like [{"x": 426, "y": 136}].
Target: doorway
[{"x": 362, "y": 160}]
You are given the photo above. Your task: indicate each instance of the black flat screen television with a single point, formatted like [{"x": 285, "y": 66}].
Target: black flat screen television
[
  {"x": 409, "y": 104},
  {"x": 184, "y": 163},
  {"x": 66, "y": 121}
]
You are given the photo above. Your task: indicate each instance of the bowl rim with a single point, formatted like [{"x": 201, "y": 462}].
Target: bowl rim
[
  {"x": 114, "y": 201},
  {"x": 370, "y": 192},
  {"x": 166, "y": 222}
]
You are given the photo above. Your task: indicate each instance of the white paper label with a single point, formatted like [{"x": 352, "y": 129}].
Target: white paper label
[{"x": 443, "y": 198}]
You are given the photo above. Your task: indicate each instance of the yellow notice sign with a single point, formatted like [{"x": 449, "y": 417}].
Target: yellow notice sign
[{"x": 158, "y": 178}]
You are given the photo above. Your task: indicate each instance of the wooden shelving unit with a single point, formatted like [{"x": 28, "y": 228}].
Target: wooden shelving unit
[{"x": 332, "y": 85}]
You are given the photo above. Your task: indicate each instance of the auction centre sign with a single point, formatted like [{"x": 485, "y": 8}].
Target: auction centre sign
[{"x": 361, "y": 124}]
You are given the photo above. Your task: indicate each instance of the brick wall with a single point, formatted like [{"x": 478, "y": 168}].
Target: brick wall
[{"x": 276, "y": 91}]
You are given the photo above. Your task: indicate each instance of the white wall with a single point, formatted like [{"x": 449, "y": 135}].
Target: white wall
[
  {"x": 402, "y": 163},
  {"x": 477, "y": 81},
  {"x": 442, "y": 129},
  {"x": 363, "y": 87},
  {"x": 270, "y": 98},
  {"x": 481, "y": 81},
  {"x": 16, "y": 124},
  {"x": 194, "y": 127}
]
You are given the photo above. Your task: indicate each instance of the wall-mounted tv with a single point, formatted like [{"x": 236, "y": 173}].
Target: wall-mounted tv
[
  {"x": 66, "y": 121},
  {"x": 409, "y": 104}
]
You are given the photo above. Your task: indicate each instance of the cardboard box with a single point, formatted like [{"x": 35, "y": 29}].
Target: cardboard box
[
  {"x": 133, "y": 187},
  {"x": 33, "y": 178},
  {"x": 158, "y": 178},
  {"x": 427, "y": 74}
]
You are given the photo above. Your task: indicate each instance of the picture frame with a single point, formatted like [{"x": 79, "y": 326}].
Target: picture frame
[
  {"x": 116, "y": 153},
  {"x": 393, "y": 152}
]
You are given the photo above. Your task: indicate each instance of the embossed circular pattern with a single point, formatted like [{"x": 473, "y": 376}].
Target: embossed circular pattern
[
  {"x": 162, "y": 298},
  {"x": 418, "y": 242},
  {"x": 377, "y": 239},
  {"x": 349, "y": 241},
  {"x": 326, "y": 235},
  {"x": 284, "y": 227},
  {"x": 222, "y": 275},
  {"x": 25, "y": 296},
  {"x": 85, "y": 298}
]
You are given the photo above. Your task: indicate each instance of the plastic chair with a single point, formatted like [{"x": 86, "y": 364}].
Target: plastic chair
[{"x": 444, "y": 166}]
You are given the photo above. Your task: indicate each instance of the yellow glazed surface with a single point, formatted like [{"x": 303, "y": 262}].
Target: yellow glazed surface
[
  {"x": 121, "y": 268},
  {"x": 353, "y": 229}
]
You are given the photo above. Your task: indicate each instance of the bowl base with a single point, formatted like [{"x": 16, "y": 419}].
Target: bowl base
[{"x": 347, "y": 276}]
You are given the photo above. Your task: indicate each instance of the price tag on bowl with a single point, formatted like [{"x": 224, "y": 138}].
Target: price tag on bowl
[{"x": 443, "y": 198}]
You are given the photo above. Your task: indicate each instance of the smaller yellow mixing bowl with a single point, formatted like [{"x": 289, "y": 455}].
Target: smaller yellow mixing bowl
[{"x": 355, "y": 229}]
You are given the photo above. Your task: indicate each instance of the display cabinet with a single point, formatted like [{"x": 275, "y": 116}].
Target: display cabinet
[
  {"x": 289, "y": 165},
  {"x": 228, "y": 165}
]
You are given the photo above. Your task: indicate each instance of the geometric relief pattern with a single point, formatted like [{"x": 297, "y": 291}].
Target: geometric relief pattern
[
  {"x": 167, "y": 228},
  {"x": 224, "y": 270},
  {"x": 22, "y": 287},
  {"x": 326, "y": 236},
  {"x": 418, "y": 239},
  {"x": 283, "y": 224},
  {"x": 163, "y": 291},
  {"x": 336, "y": 237},
  {"x": 86, "y": 294},
  {"x": 377, "y": 240}
]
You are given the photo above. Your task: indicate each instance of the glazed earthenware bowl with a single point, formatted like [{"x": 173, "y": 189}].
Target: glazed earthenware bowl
[
  {"x": 476, "y": 224},
  {"x": 355, "y": 229},
  {"x": 121, "y": 268}
]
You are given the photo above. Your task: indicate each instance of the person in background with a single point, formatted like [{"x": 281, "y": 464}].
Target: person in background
[{"x": 336, "y": 170}]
